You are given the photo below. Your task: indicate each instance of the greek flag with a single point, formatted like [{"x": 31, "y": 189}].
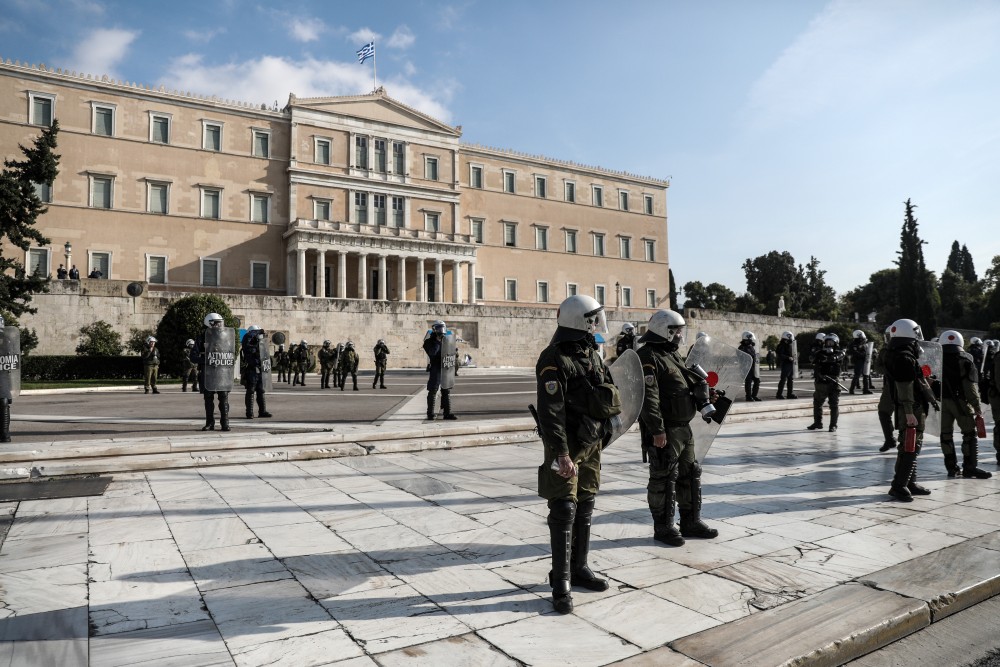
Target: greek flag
[{"x": 365, "y": 52}]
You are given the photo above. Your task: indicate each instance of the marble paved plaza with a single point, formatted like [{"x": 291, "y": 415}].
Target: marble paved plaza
[{"x": 440, "y": 557}]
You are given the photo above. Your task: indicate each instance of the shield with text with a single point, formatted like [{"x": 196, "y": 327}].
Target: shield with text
[
  {"x": 265, "y": 364},
  {"x": 10, "y": 363},
  {"x": 449, "y": 349},
  {"x": 220, "y": 359}
]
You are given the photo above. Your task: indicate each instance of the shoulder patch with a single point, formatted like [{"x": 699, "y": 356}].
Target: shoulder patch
[
  {"x": 650, "y": 379},
  {"x": 551, "y": 387},
  {"x": 547, "y": 369}
]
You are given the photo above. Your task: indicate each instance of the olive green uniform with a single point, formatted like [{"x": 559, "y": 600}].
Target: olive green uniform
[
  {"x": 908, "y": 397},
  {"x": 189, "y": 371},
  {"x": 960, "y": 404},
  {"x": 327, "y": 364},
  {"x": 348, "y": 365},
  {"x": 150, "y": 368},
  {"x": 885, "y": 405},
  {"x": 381, "y": 351}
]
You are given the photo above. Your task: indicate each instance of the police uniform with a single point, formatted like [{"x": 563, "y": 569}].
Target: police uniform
[
  {"x": 198, "y": 357},
  {"x": 432, "y": 347},
  {"x": 300, "y": 362},
  {"x": 960, "y": 403},
  {"x": 381, "y": 351},
  {"x": 994, "y": 395},
  {"x": 908, "y": 397},
  {"x": 626, "y": 341},
  {"x": 189, "y": 371},
  {"x": 150, "y": 367},
  {"x": 786, "y": 364},
  {"x": 327, "y": 364},
  {"x": 252, "y": 375},
  {"x": 886, "y": 407},
  {"x": 751, "y": 385},
  {"x": 349, "y": 366},
  {"x": 827, "y": 369},
  {"x": 281, "y": 364}
]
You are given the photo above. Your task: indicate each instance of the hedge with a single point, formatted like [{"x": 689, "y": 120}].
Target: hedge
[{"x": 53, "y": 368}]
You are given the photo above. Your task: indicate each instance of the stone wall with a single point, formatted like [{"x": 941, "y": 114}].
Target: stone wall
[{"x": 729, "y": 327}]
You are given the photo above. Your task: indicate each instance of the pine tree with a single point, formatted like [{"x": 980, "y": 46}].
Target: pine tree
[
  {"x": 954, "y": 259},
  {"x": 968, "y": 268},
  {"x": 918, "y": 295},
  {"x": 20, "y": 207}
]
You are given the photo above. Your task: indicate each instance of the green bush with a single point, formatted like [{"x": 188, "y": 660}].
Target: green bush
[
  {"x": 184, "y": 319},
  {"x": 99, "y": 340},
  {"x": 137, "y": 339},
  {"x": 52, "y": 368}
]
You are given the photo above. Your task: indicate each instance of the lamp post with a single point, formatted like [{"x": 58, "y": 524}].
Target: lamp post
[{"x": 618, "y": 295}]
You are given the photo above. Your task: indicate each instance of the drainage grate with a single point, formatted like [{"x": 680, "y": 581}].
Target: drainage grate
[{"x": 54, "y": 488}]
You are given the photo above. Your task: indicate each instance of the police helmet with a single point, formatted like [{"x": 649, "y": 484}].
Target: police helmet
[
  {"x": 627, "y": 328},
  {"x": 582, "y": 313},
  {"x": 150, "y": 339},
  {"x": 821, "y": 336},
  {"x": 905, "y": 329},
  {"x": 975, "y": 340},
  {"x": 326, "y": 343},
  {"x": 350, "y": 344},
  {"x": 749, "y": 335},
  {"x": 189, "y": 343},
  {"x": 951, "y": 337},
  {"x": 859, "y": 335},
  {"x": 787, "y": 335},
  {"x": 302, "y": 342},
  {"x": 439, "y": 327},
  {"x": 281, "y": 347},
  {"x": 993, "y": 345},
  {"x": 381, "y": 341},
  {"x": 253, "y": 327},
  {"x": 212, "y": 319},
  {"x": 832, "y": 338},
  {"x": 667, "y": 325}
]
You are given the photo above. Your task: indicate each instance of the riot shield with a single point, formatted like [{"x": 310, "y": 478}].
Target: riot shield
[
  {"x": 10, "y": 363},
  {"x": 727, "y": 368},
  {"x": 932, "y": 365},
  {"x": 449, "y": 346},
  {"x": 265, "y": 364},
  {"x": 869, "y": 352},
  {"x": 755, "y": 364},
  {"x": 220, "y": 359},
  {"x": 626, "y": 371},
  {"x": 795, "y": 359}
]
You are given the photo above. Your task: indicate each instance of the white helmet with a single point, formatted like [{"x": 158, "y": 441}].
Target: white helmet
[
  {"x": 439, "y": 326},
  {"x": 993, "y": 344},
  {"x": 975, "y": 340},
  {"x": 905, "y": 329},
  {"x": 787, "y": 335},
  {"x": 582, "y": 313},
  {"x": 832, "y": 337},
  {"x": 253, "y": 327},
  {"x": 150, "y": 339},
  {"x": 382, "y": 341},
  {"x": 952, "y": 338},
  {"x": 326, "y": 343},
  {"x": 303, "y": 342},
  {"x": 349, "y": 344},
  {"x": 627, "y": 328},
  {"x": 212, "y": 318},
  {"x": 189, "y": 343},
  {"x": 667, "y": 324},
  {"x": 859, "y": 335},
  {"x": 821, "y": 336},
  {"x": 748, "y": 335}
]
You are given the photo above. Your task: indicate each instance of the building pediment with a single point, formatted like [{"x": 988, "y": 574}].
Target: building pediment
[{"x": 376, "y": 106}]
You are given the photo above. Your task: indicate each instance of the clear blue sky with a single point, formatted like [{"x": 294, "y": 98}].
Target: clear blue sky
[{"x": 798, "y": 125}]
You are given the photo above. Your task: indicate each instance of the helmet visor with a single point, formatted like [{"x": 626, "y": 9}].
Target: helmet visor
[{"x": 597, "y": 322}]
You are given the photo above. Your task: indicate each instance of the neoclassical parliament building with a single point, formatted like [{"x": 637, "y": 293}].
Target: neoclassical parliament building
[{"x": 355, "y": 197}]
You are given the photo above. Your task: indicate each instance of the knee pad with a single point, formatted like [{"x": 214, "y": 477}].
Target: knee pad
[{"x": 561, "y": 510}]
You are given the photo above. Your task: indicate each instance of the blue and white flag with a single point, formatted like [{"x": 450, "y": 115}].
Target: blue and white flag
[{"x": 365, "y": 52}]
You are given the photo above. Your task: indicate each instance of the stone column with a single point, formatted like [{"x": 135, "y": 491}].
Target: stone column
[
  {"x": 300, "y": 274},
  {"x": 382, "y": 279},
  {"x": 401, "y": 263},
  {"x": 420, "y": 280},
  {"x": 438, "y": 281},
  {"x": 472, "y": 282},
  {"x": 321, "y": 274},
  {"x": 456, "y": 282},
  {"x": 341, "y": 274},
  {"x": 362, "y": 276}
]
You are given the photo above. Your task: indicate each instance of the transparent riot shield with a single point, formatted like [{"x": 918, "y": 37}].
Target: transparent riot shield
[
  {"x": 869, "y": 352},
  {"x": 931, "y": 366},
  {"x": 10, "y": 363},
  {"x": 727, "y": 368},
  {"x": 449, "y": 347},
  {"x": 795, "y": 359},
  {"x": 265, "y": 364},
  {"x": 220, "y": 359},
  {"x": 626, "y": 371}
]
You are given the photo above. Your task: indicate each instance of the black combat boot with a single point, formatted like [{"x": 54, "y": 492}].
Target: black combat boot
[
  {"x": 791, "y": 393},
  {"x": 446, "y": 404},
  {"x": 224, "y": 411},
  {"x": 854, "y": 385},
  {"x": 262, "y": 407},
  {"x": 912, "y": 486},
  {"x": 834, "y": 416},
  {"x": 184, "y": 384},
  {"x": 691, "y": 523},
  {"x": 249, "y": 403},
  {"x": 580, "y": 572},
  {"x": 4, "y": 420},
  {"x": 970, "y": 459},
  {"x": 905, "y": 463},
  {"x": 867, "y": 385},
  {"x": 662, "y": 503},
  {"x": 431, "y": 405},
  {"x": 561, "y": 516},
  {"x": 817, "y": 418},
  {"x": 355, "y": 379},
  {"x": 209, "y": 412},
  {"x": 885, "y": 421},
  {"x": 950, "y": 457}
]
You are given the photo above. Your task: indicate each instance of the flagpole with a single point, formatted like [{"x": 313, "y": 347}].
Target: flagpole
[{"x": 374, "y": 72}]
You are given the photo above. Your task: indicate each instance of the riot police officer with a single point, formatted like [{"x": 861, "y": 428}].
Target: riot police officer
[
  {"x": 300, "y": 363},
  {"x": 994, "y": 394},
  {"x": 572, "y": 431},
  {"x": 281, "y": 364},
  {"x": 817, "y": 346},
  {"x": 858, "y": 353},
  {"x": 150, "y": 365},
  {"x": 886, "y": 407},
  {"x": 786, "y": 363},
  {"x": 626, "y": 341},
  {"x": 978, "y": 351},
  {"x": 189, "y": 369},
  {"x": 349, "y": 365},
  {"x": 327, "y": 364},
  {"x": 433, "y": 346},
  {"x": 748, "y": 345},
  {"x": 198, "y": 356},
  {"x": 252, "y": 371},
  {"x": 381, "y": 351},
  {"x": 959, "y": 403},
  {"x": 827, "y": 369},
  {"x": 910, "y": 399},
  {"x": 674, "y": 471}
]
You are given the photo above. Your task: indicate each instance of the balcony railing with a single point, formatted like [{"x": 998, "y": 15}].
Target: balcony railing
[{"x": 377, "y": 230}]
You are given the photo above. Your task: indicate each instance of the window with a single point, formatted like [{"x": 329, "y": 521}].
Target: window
[
  {"x": 361, "y": 208},
  {"x": 599, "y": 294},
  {"x": 570, "y": 191},
  {"x": 479, "y": 289},
  {"x": 211, "y": 203},
  {"x": 378, "y": 203},
  {"x": 38, "y": 262},
  {"x": 626, "y": 297},
  {"x": 398, "y": 212},
  {"x": 625, "y": 247},
  {"x": 210, "y": 272},
  {"x": 398, "y": 159},
  {"x": 647, "y": 204},
  {"x": 622, "y": 200},
  {"x": 261, "y": 143},
  {"x": 432, "y": 222},
  {"x": 541, "y": 238},
  {"x": 44, "y": 192},
  {"x": 380, "y": 156},
  {"x": 41, "y": 108},
  {"x": 156, "y": 269},
  {"x": 651, "y": 298},
  {"x": 476, "y": 176},
  {"x": 510, "y": 289},
  {"x": 321, "y": 209},
  {"x": 597, "y": 194},
  {"x": 213, "y": 137},
  {"x": 159, "y": 195},
  {"x": 100, "y": 265},
  {"x": 260, "y": 206},
  {"x": 159, "y": 129},
  {"x": 599, "y": 245},
  {"x": 477, "y": 230},
  {"x": 509, "y": 234},
  {"x": 101, "y": 191},
  {"x": 570, "y": 240},
  {"x": 322, "y": 151},
  {"x": 540, "y": 186},
  {"x": 431, "y": 168},
  {"x": 361, "y": 152},
  {"x": 542, "y": 292},
  {"x": 571, "y": 290},
  {"x": 650, "y": 250},
  {"x": 508, "y": 181},
  {"x": 104, "y": 120},
  {"x": 258, "y": 275}
]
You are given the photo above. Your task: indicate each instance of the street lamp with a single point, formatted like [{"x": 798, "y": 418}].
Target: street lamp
[{"x": 618, "y": 294}]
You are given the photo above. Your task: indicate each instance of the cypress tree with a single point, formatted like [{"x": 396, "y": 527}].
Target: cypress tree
[{"x": 917, "y": 290}]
